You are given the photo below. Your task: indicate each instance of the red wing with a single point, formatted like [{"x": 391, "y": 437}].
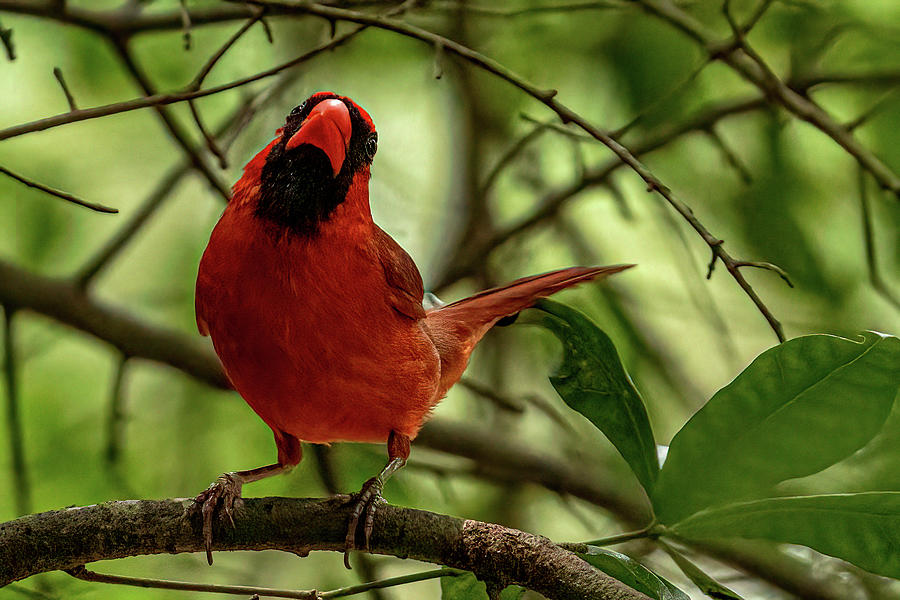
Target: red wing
[{"x": 405, "y": 286}]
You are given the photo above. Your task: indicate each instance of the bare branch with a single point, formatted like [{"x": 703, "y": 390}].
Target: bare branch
[
  {"x": 6, "y": 40},
  {"x": 243, "y": 590},
  {"x": 163, "y": 584},
  {"x": 185, "y": 23},
  {"x": 491, "y": 11},
  {"x": 767, "y": 267},
  {"x": 869, "y": 238},
  {"x": 58, "y": 193},
  {"x": 115, "y": 420}
]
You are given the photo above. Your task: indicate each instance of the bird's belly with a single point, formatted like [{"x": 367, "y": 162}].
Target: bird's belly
[{"x": 323, "y": 361}]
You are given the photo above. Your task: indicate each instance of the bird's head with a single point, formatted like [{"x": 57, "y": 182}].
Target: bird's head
[{"x": 326, "y": 146}]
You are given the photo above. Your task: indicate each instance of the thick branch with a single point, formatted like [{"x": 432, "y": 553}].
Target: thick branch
[{"x": 71, "y": 537}]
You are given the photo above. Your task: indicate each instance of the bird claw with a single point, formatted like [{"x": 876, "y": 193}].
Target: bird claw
[
  {"x": 367, "y": 500},
  {"x": 225, "y": 489}
]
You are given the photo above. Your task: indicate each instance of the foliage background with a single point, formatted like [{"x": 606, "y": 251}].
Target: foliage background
[{"x": 795, "y": 202}]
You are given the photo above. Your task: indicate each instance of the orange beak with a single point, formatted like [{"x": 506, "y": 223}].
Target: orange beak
[{"x": 328, "y": 128}]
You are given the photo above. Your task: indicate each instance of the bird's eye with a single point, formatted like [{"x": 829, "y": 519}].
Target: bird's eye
[{"x": 372, "y": 146}]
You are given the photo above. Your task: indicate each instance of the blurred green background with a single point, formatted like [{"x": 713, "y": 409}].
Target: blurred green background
[{"x": 793, "y": 200}]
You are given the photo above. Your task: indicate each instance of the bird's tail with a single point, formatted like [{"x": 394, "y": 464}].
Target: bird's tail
[{"x": 456, "y": 328}]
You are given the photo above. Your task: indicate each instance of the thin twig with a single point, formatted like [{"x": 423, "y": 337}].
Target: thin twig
[
  {"x": 21, "y": 484},
  {"x": 648, "y": 531},
  {"x": 491, "y": 11},
  {"x": 115, "y": 419},
  {"x": 767, "y": 267},
  {"x": 661, "y": 100},
  {"x": 391, "y": 582},
  {"x": 57, "y": 72},
  {"x": 512, "y": 152},
  {"x": 873, "y": 110},
  {"x": 185, "y": 23},
  {"x": 58, "y": 193},
  {"x": 7, "y": 41},
  {"x": 188, "y": 586},
  {"x": 201, "y": 76},
  {"x": 869, "y": 239},
  {"x": 731, "y": 157}
]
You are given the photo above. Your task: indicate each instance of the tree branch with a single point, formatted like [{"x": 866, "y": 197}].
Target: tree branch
[
  {"x": 69, "y": 538},
  {"x": 753, "y": 69},
  {"x": 65, "y": 302},
  {"x": 58, "y": 193}
]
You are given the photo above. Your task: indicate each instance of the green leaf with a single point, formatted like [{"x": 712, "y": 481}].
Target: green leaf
[
  {"x": 704, "y": 582},
  {"x": 592, "y": 380},
  {"x": 860, "y": 528},
  {"x": 797, "y": 409},
  {"x": 632, "y": 573},
  {"x": 467, "y": 587}
]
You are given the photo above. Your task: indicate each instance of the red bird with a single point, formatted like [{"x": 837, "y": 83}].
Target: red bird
[{"x": 316, "y": 313}]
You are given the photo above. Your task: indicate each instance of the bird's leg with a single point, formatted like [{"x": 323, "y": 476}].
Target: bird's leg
[
  {"x": 370, "y": 495},
  {"x": 227, "y": 487}
]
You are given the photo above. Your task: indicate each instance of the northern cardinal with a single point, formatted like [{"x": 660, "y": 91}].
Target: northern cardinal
[{"x": 316, "y": 313}]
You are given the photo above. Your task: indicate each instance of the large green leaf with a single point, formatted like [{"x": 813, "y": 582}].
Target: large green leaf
[
  {"x": 797, "y": 409},
  {"x": 861, "y": 528},
  {"x": 632, "y": 573},
  {"x": 592, "y": 380}
]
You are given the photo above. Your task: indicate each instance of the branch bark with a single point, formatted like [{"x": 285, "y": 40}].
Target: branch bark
[{"x": 68, "y": 538}]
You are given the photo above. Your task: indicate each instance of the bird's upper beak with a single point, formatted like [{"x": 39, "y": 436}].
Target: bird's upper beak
[{"x": 328, "y": 128}]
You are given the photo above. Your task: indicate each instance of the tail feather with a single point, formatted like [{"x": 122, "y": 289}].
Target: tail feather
[
  {"x": 457, "y": 327},
  {"x": 496, "y": 303}
]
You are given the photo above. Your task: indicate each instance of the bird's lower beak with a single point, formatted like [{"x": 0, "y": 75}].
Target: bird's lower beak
[{"x": 328, "y": 128}]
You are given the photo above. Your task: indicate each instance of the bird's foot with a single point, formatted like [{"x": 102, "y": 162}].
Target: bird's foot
[
  {"x": 365, "y": 502},
  {"x": 225, "y": 490}
]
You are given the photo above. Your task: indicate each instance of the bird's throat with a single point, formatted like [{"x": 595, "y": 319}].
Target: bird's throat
[{"x": 298, "y": 189}]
